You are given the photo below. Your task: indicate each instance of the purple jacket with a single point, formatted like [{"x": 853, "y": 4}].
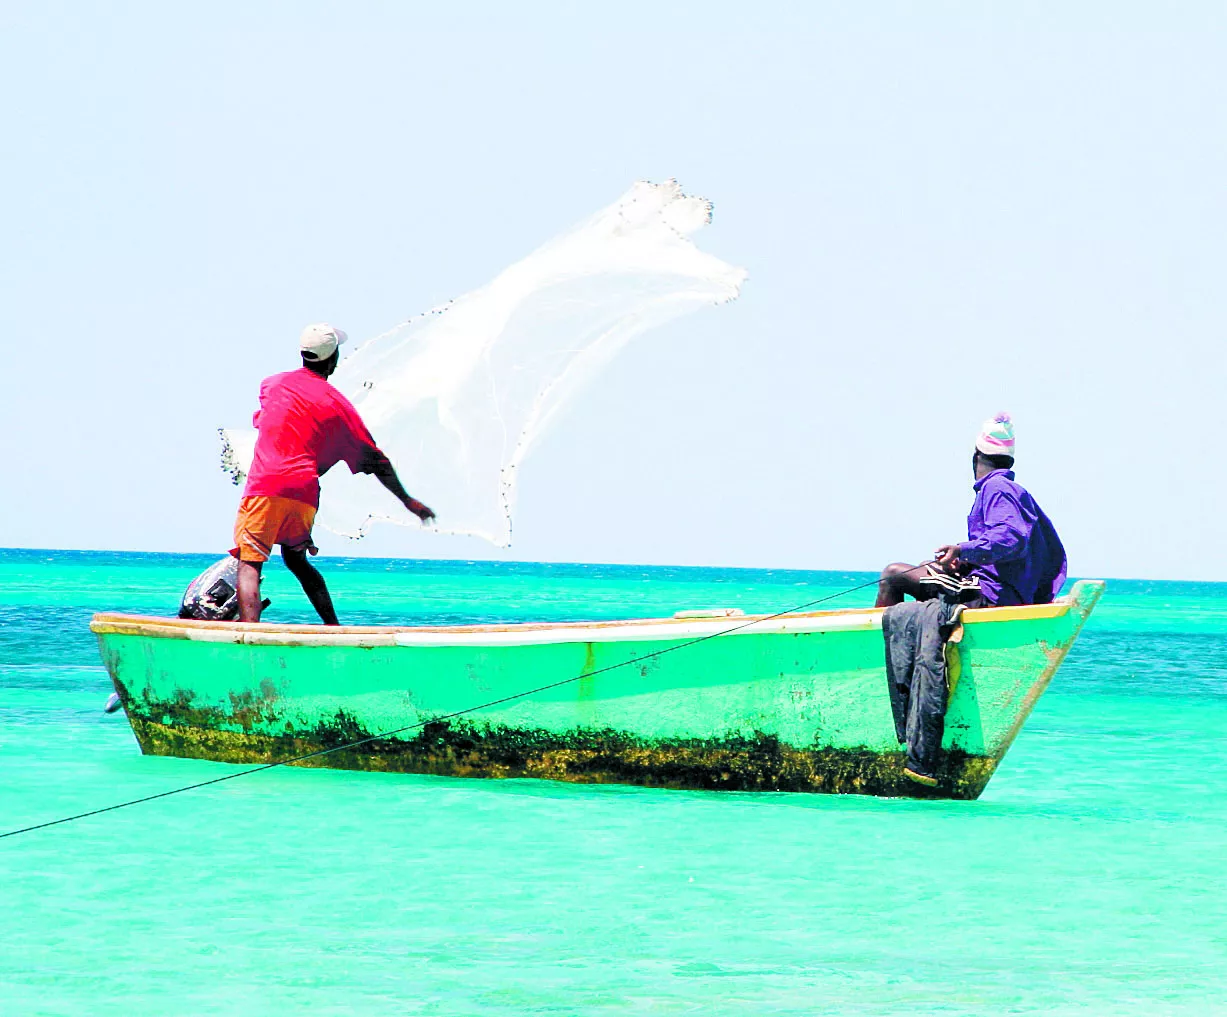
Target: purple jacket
[{"x": 1016, "y": 551}]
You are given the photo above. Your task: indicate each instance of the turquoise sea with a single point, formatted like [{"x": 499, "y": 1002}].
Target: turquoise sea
[{"x": 1091, "y": 878}]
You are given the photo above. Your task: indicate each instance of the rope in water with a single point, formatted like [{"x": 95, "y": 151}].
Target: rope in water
[{"x": 452, "y": 716}]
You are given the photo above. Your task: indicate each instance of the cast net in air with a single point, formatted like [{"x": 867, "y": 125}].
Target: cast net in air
[{"x": 459, "y": 396}]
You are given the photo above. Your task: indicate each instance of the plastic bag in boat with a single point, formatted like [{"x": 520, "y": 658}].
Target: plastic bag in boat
[{"x": 214, "y": 594}]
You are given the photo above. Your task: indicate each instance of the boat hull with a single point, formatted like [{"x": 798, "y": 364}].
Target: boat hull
[{"x": 794, "y": 704}]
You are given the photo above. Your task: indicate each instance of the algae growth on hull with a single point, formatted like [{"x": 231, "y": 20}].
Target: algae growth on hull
[{"x": 459, "y": 749}]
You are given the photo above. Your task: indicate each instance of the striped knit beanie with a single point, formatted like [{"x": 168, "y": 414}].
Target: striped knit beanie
[{"x": 996, "y": 437}]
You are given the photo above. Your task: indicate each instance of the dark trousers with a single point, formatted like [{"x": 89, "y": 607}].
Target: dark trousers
[{"x": 915, "y": 634}]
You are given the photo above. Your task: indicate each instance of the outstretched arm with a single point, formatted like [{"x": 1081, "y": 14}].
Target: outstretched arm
[{"x": 381, "y": 467}]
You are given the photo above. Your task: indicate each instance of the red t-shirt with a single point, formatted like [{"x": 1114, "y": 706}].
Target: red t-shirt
[{"x": 306, "y": 427}]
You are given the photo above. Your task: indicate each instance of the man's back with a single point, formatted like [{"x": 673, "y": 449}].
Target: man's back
[
  {"x": 306, "y": 427},
  {"x": 1018, "y": 556}
]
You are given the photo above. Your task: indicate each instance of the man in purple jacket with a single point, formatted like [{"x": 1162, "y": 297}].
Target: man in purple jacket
[{"x": 1012, "y": 548}]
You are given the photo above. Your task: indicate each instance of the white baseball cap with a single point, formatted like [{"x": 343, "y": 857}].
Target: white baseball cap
[{"x": 319, "y": 342}]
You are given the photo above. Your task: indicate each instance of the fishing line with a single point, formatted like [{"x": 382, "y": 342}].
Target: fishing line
[{"x": 458, "y": 713}]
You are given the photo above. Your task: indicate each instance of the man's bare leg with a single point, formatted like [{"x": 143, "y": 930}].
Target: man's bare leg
[
  {"x": 900, "y": 579},
  {"x": 312, "y": 584},
  {"x": 249, "y": 590}
]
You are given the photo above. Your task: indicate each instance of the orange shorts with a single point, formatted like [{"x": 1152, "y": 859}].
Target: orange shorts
[{"x": 264, "y": 521}]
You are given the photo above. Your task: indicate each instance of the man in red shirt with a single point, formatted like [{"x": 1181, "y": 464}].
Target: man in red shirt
[{"x": 306, "y": 427}]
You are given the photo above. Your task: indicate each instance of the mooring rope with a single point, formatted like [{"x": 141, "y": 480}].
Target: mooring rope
[{"x": 758, "y": 620}]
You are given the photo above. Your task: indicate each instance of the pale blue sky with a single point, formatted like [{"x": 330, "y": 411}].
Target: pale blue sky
[{"x": 945, "y": 209}]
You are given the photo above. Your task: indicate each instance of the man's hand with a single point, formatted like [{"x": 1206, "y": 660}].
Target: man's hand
[
  {"x": 379, "y": 465},
  {"x": 947, "y": 556},
  {"x": 423, "y": 512}
]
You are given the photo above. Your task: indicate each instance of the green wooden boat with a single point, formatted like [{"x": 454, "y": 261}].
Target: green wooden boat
[{"x": 793, "y": 703}]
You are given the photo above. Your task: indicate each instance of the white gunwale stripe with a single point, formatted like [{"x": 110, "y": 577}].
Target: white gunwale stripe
[{"x": 667, "y": 630}]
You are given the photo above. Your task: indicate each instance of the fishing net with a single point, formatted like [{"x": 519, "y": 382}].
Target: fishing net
[{"x": 459, "y": 396}]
